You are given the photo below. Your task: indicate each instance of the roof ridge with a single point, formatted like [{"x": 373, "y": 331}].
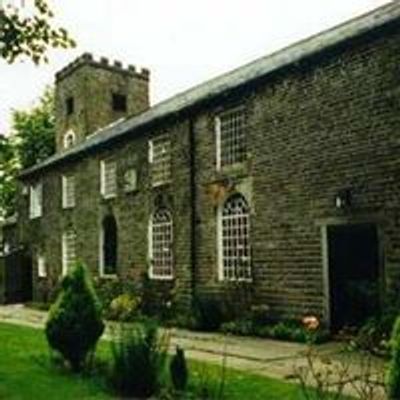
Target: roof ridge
[{"x": 237, "y": 77}]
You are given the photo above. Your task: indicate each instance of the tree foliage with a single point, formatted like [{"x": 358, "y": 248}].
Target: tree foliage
[
  {"x": 34, "y": 131},
  {"x": 8, "y": 171},
  {"x": 30, "y": 34},
  {"x": 32, "y": 140},
  {"x": 394, "y": 368}
]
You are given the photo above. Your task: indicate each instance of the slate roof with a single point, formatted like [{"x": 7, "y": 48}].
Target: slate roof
[{"x": 231, "y": 80}]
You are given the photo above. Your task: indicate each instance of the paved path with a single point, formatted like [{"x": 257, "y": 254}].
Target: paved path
[{"x": 271, "y": 358}]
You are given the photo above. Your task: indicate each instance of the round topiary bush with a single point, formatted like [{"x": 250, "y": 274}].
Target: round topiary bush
[
  {"x": 75, "y": 324},
  {"x": 394, "y": 369},
  {"x": 124, "y": 308}
]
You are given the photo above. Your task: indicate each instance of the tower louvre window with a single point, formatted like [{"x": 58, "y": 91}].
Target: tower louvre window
[
  {"x": 70, "y": 105},
  {"x": 119, "y": 102}
]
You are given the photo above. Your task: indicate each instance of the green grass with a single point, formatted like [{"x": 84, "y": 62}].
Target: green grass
[{"x": 26, "y": 373}]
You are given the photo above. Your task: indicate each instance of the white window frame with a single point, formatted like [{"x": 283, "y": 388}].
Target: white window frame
[
  {"x": 68, "y": 184},
  {"x": 68, "y": 260},
  {"x": 69, "y": 139},
  {"x": 36, "y": 200},
  {"x": 152, "y": 274},
  {"x": 218, "y": 135},
  {"x": 104, "y": 189},
  {"x": 160, "y": 169},
  {"x": 221, "y": 238},
  {"x": 41, "y": 266}
]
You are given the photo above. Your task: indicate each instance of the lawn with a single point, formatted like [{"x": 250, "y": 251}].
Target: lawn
[{"x": 26, "y": 373}]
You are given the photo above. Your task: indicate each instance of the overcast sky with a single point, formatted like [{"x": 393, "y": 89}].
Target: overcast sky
[{"x": 182, "y": 42}]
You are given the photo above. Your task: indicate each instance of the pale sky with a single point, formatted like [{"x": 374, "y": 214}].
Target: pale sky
[{"x": 182, "y": 42}]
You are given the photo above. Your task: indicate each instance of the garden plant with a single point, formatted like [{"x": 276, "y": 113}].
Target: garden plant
[{"x": 75, "y": 323}]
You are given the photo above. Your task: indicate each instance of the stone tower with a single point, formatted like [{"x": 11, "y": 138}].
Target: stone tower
[{"x": 92, "y": 94}]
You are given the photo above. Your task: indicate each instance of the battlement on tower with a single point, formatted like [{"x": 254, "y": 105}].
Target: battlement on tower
[{"x": 104, "y": 63}]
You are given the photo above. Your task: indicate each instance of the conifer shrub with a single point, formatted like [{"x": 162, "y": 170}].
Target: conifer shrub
[
  {"x": 75, "y": 324},
  {"x": 393, "y": 381},
  {"x": 179, "y": 370}
]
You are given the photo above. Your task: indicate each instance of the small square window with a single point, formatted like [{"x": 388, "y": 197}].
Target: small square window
[
  {"x": 119, "y": 102},
  {"x": 70, "y": 105}
]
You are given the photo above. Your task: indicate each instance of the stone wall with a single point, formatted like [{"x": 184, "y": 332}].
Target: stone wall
[
  {"x": 323, "y": 125},
  {"x": 327, "y": 124},
  {"x": 131, "y": 210}
]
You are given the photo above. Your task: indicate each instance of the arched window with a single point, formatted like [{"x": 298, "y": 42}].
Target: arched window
[
  {"x": 69, "y": 139},
  {"x": 109, "y": 246},
  {"x": 234, "y": 239},
  {"x": 160, "y": 245}
]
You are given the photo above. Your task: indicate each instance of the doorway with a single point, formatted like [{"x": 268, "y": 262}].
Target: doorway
[
  {"x": 354, "y": 278},
  {"x": 109, "y": 245}
]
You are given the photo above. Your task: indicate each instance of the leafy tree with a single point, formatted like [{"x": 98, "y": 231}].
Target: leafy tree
[
  {"x": 75, "y": 324},
  {"x": 34, "y": 131},
  {"x": 30, "y": 35},
  {"x": 8, "y": 171},
  {"x": 31, "y": 141}
]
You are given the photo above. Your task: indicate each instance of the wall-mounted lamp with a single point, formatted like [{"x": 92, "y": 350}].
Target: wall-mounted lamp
[{"x": 343, "y": 199}]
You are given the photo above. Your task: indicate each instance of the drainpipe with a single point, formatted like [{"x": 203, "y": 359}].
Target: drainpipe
[{"x": 193, "y": 201}]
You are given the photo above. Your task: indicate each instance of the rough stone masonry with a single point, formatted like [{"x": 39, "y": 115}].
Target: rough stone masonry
[{"x": 263, "y": 172}]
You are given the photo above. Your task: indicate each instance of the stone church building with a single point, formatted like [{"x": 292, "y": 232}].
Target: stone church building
[{"x": 282, "y": 175}]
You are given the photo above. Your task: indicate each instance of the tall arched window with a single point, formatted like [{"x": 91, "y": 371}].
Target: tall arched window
[
  {"x": 160, "y": 245},
  {"x": 234, "y": 239},
  {"x": 109, "y": 246}
]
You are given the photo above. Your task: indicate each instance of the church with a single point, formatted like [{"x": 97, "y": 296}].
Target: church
[{"x": 282, "y": 176}]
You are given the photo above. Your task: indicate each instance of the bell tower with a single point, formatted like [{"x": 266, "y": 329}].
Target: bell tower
[{"x": 92, "y": 94}]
